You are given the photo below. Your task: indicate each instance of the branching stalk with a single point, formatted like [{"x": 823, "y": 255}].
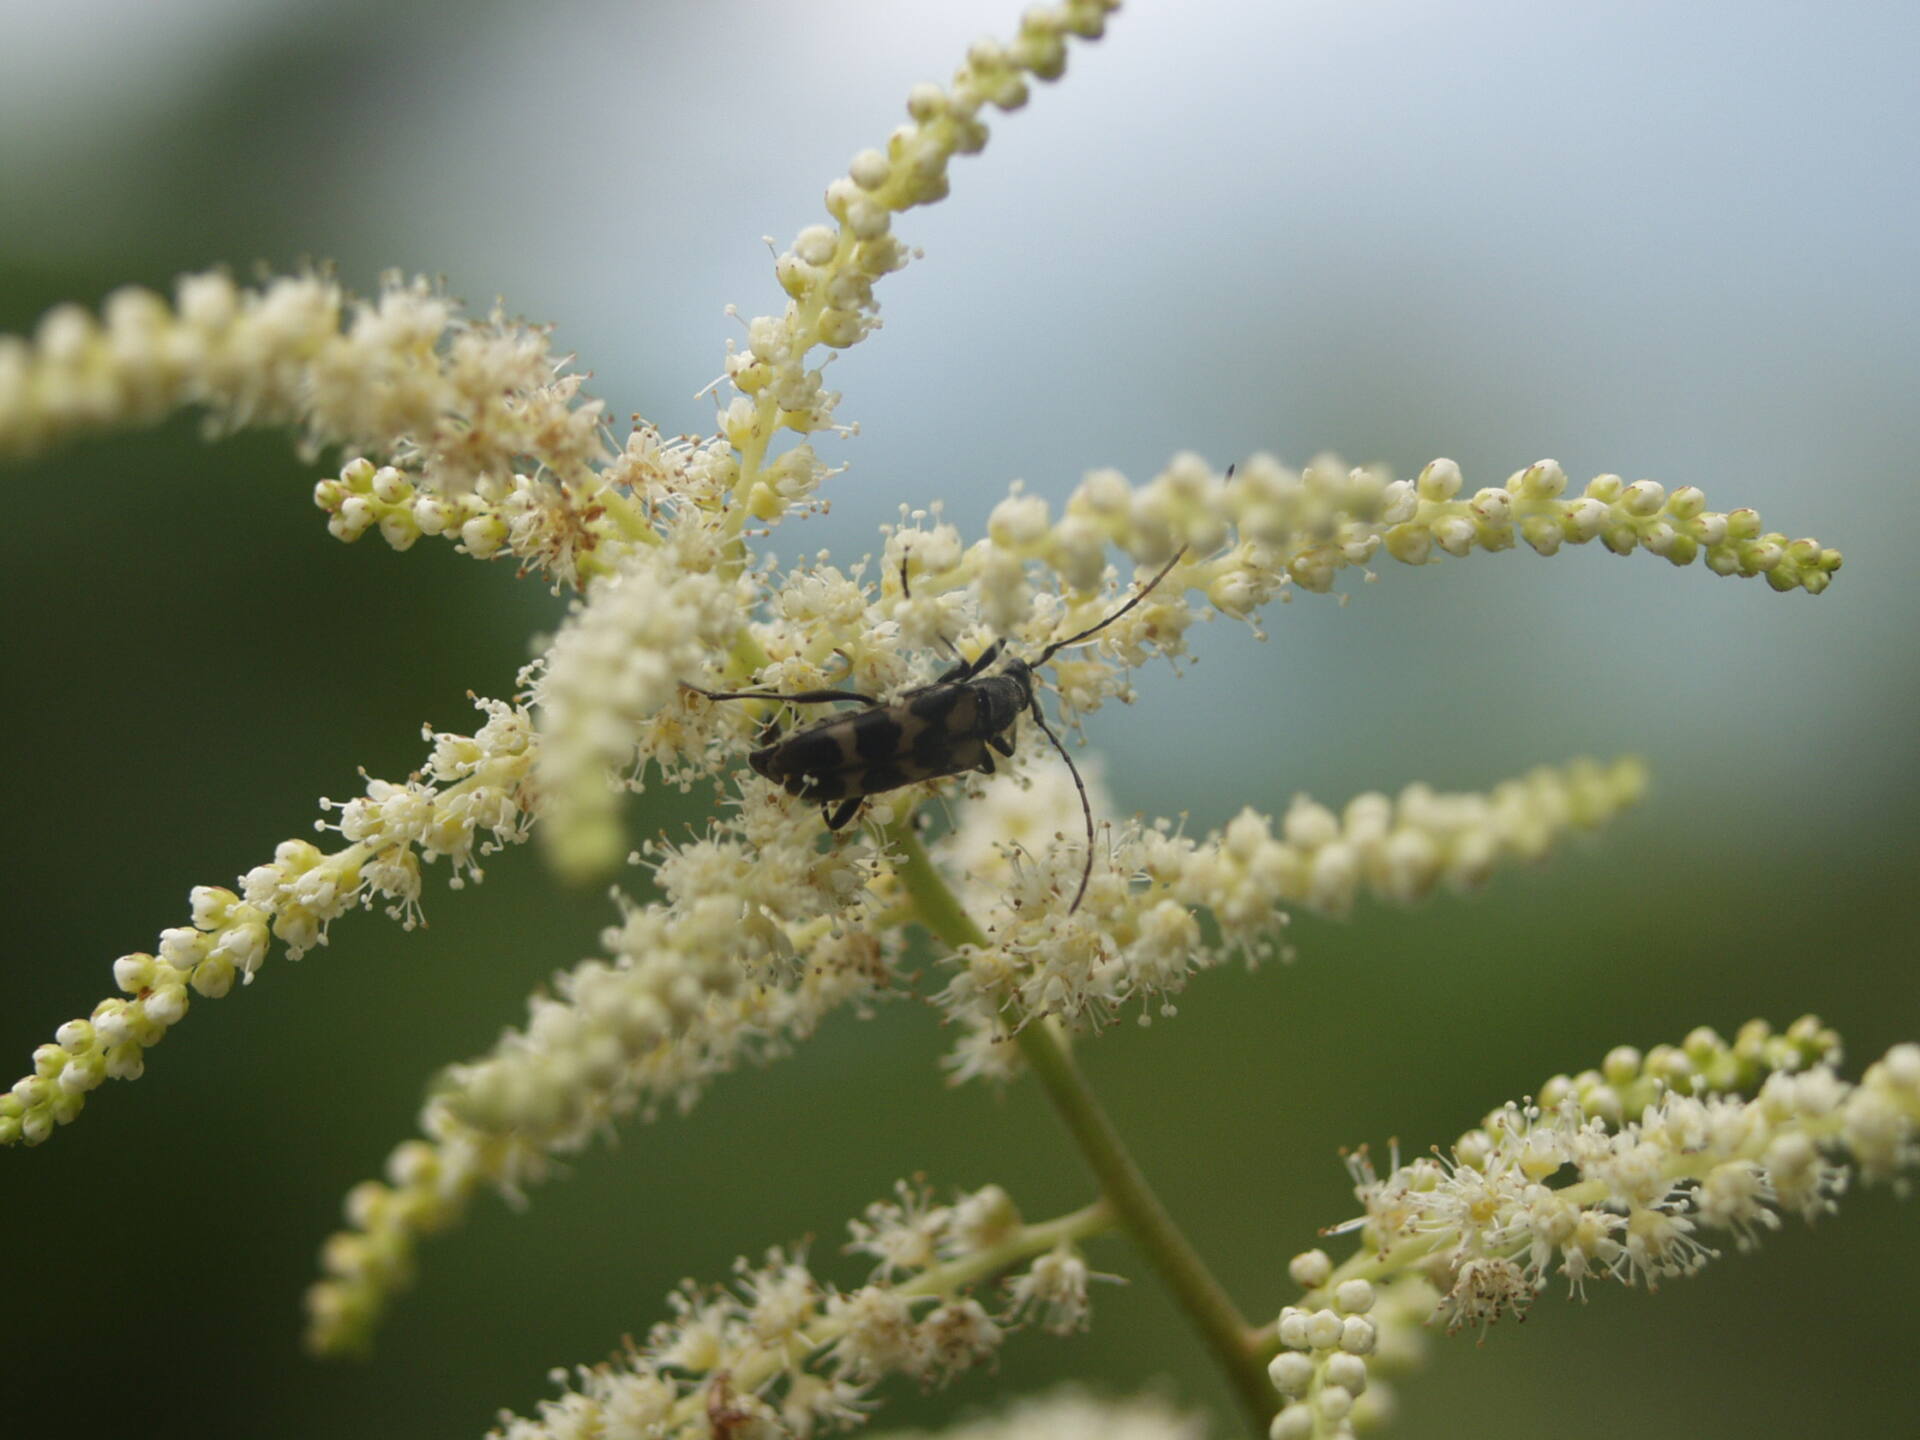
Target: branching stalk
[{"x": 1224, "y": 1330}]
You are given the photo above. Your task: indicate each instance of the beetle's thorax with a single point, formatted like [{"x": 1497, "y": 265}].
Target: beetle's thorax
[{"x": 1003, "y": 695}]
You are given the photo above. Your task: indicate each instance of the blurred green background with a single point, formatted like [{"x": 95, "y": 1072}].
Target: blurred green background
[{"x": 1673, "y": 244}]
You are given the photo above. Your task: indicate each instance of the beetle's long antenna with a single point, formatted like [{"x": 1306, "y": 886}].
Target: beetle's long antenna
[
  {"x": 1086, "y": 805},
  {"x": 1139, "y": 595},
  {"x": 906, "y": 589}
]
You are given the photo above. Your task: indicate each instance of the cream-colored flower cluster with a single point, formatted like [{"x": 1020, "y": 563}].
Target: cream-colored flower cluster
[
  {"x": 630, "y": 1034},
  {"x": 829, "y": 271},
  {"x": 645, "y": 1023},
  {"x": 616, "y": 665},
  {"x": 1262, "y": 529},
  {"x": 1322, "y": 1368},
  {"x": 763, "y": 929},
  {"x": 1331, "y": 1358},
  {"x": 693, "y": 986},
  {"x": 1627, "y": 1081},
  {"x": 1644, "y": 515},
  {"x": 1616, "y": 1177},
  {"x": 780, "y": 1352},
  {"x": 470, "y": 802},
  {"x": 654, "y": 491},
  {"x": 1143, "y": 927},
  {"x": 401, "y": 376}
]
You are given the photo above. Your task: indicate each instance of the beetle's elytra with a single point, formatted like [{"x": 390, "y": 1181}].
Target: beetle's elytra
[{"x": 951, "y": 726}]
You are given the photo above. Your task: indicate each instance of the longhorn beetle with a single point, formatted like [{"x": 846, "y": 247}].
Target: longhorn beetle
[{"x": 954, "y": 724}]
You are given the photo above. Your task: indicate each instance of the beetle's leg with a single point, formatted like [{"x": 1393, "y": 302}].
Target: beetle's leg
[
  {"x": 1001, "y": 743},
  {"x": 803, "y": 697},
  {"x": 965, "y": 670},
  {"x": 985, "y": 767},
  {"x": 847, "y": 810},
  {"x": 959, "y": 671}
]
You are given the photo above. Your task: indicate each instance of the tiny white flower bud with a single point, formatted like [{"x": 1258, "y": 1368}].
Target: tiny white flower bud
[
  {"x": 1245, "y": 834},
  {"x": 213, "y": 976},
  {"x": 1410, "y": 544},
  {"x": 1310, "y": 1269},
  {"x": 1686, "y": 502},
  {"x": 166, "y": 1005},
  {"x": 398, "y": 529},
  {"x": 1106, "y": 492},
  {"x": 133, "y": 973},
  {"x": 353, "y": 518},
  {"x": 84, "y": 1073},
  {"x": 1291, "y": 1372},
  {"x": 1543, "y": 479},
  {"x": 1293, "y": 1328},
  {"x": 1018, "y": 521},
  {"x": 1440, "y": 480},
  {"x": 1334, "y": 1402},
  {"x": 1454, "y": 534},
  {"x": 207, "y": 301},
  {"x": 32, "y": 1091},
  {"x": 183, "y": 948},
  {"x": 1358, "y": 1335},
  {"x": 925, "y": 101},
  {"x": 484, "y": 535},
  {"x": 1323, "y": 1329},
  {"x": 815, "y": 245},
  {"x": 1493, "y": 507},
  {"x": 1543, "y": 534},
  {"x": 869, "y": 169},
  {"x": 431, "y": 515},
  {"x": 210, "y": 905},
  {"x": 1585, "y": 519},
  {"x": 1621, "y": 1065},
  {"x": 1310, "y": 825},
  {"x": 391, "y": 486},
  {"x": 1348, "y": 1371},
  {"x": 1643, "y": 497}
]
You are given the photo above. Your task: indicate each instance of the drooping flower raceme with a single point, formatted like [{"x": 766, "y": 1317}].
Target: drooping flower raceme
[
  {"x": 1624, "y": 1173},
  {"x": 1164, "y": 905},
  {"x": 780, "y": 1352},
  {"x": 471, "y": 800}
]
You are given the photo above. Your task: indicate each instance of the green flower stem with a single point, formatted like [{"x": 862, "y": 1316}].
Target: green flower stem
[
  {"x": 1029, "y": 1241},
  {"x": 626, "y": 515},
  {"x": 1212, "y": 1311}
]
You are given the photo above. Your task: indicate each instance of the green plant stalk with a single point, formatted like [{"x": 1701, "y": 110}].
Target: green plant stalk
[{"x": 1233, "y": 1343}]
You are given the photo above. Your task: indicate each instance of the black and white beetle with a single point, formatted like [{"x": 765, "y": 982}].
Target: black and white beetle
[{"x": 948, "y": 727}]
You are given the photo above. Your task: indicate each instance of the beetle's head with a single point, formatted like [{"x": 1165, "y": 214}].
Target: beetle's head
[{"x": 1021, "y": 673}]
